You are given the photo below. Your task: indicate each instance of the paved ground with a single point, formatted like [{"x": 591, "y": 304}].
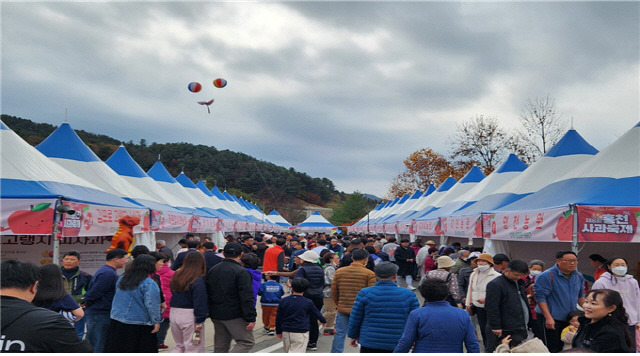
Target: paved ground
[{"x": 269, "y": 343}]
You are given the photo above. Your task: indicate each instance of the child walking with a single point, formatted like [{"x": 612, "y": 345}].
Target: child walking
[
  {"x": 271, "y": 292},
  {"x": 292, "y": 318}
]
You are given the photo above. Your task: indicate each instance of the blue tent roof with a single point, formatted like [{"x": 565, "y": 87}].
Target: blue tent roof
[
  {"x": 203, "y": 187},
  {"x": 65, "y": 143},
  {"x": 571, "y": 144},
  {"x": 447, "y": 184},
  {"x": 185, "y": 181},
  {"x": 123, "y": 164},
  {"x": 512, "y": 164},
  {"x": 474, "y": 175},
  {"x": 160, "y": 173}
]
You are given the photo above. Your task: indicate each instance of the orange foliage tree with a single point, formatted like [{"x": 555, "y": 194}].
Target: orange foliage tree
[{"x": 422, "y": 167}]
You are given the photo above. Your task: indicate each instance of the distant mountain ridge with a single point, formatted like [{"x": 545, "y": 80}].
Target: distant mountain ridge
[{"x": 275, "y": 187}]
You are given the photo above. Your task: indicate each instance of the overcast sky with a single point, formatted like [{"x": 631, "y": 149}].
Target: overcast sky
[{"x": 343, "y": 90}]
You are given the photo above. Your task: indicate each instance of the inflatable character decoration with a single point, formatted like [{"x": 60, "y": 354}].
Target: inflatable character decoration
[{"x": 123, "y": 238}]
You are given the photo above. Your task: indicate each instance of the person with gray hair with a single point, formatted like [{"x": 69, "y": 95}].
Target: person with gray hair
[
  {"x": 536, "y": 267},
  {"x": 373, "y": 325},
  {"x": 161, "y": 245}
]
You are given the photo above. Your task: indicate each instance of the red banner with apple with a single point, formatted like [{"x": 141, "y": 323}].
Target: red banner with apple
[
  {"x": 608, "y": 224},
  {"x": 27, "y": 217}
]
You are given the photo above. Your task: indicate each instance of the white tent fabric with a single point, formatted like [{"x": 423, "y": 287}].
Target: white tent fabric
[{"x": 315, "y": 222}]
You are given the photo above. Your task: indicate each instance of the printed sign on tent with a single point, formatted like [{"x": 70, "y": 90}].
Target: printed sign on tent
[
  {"x": 463, "y": 226},
  {"x": 611, "y": 224},
  {"x": 541, "y": 225},
  {"x": 428, "y": 227},
  {"x": 27, "y": 217},
  {"x": 99, "y": 220}
]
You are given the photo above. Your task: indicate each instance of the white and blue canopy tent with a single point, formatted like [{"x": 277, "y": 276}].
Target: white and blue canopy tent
[
  {"x": 316, "y": 223},
  {"x": 593, "y": 208},
  {"x": 64, "y": 147},
  {"x": 32, "y": 187},
  {"x": 280, "y": 221}
]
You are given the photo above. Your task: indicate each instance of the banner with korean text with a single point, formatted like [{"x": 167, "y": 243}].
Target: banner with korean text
[
  {"x": 541, "y": 225},
  {"x": 469, "y": 226},
  {"x": 99, "y": 220},
  {"x": 610, "y": 224},
  {"x": 428, "y": 227}
]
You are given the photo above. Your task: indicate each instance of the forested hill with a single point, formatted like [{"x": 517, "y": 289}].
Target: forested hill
[{"x": 234, "y": 171}]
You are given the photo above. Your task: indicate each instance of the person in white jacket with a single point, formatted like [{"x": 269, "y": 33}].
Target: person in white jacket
[
  {"x": 477, "y": 292},
  {"x": 616, "y": 278}
]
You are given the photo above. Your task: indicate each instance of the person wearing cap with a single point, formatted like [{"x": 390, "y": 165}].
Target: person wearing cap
[
  {"x": 347, "y": 282},
  {"x": 443, "y": 272},
  {"x": 500, "y": 262},
  {"x": 405, "y": 258},
  {"x": 373, "y": 324},
  {"x": 461, "y": 262},
  {"x": 231, "y": 302},
  {"x": 161, "y": 245},
  {"x": 477, "y": 292},
  {"x": 312, "y": 272}
]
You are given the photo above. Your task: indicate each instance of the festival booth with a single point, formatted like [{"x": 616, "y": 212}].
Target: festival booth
[
  {"x": 47, "y": 210},
  {"x": 316, "y": 223},
  {"x": 171, "y": 227},
  {"x": 78, "y": 158},
  {"x": 594, "y": 208},
  {"x": 281, "y": 223}
]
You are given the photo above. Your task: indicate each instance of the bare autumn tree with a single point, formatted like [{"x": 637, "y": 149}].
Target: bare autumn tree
[
  {"x": 542, "y": 126},
  {"x": 480, "y": 140},
  {"x": 422, "y": 167}
]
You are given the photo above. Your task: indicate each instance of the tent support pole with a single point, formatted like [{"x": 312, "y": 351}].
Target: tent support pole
[
  {"x": 574, "y": 237},
  {"x": 55, "y": 242}
]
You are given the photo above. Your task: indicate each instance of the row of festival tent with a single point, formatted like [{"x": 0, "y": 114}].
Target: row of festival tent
[
  {"x": 515, "y": 199},
  {"x": 63, "y": 170}
]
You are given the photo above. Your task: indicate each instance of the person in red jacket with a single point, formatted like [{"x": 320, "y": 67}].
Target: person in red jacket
[{"x": 274, "y": 257}]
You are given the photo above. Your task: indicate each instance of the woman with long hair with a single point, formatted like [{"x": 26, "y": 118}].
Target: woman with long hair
[
  {"x": 135, "y": 311},
  {"x": 189, "y": 304},
  {"x": 604, "y": 325},
  {"x": 616, "y": 278},
  {"x": 165, "y": 273},
  {"x": 52, "y": 295}
]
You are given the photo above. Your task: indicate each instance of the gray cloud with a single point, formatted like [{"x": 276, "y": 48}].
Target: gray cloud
[{"x": 343, "y": 90}]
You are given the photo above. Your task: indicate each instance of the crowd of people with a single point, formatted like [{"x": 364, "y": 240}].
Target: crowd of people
[{"x": 361, "y": 288}]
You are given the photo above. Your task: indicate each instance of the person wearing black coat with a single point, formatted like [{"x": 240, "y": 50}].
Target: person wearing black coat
[
  {"x": 231, "y": 304},
  {"x": 406, "y": 261},
  {"x": 506, "y": 305},
  {"x": 604, "y": 326},
  {"x": 312, "y": 272}
]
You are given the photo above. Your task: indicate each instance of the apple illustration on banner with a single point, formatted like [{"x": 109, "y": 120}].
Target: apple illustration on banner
[
  {"x": 564, "y": 227},
  {"x": 588, "y": 216},
  {"x": 477, "y": 231},
  {"x": 38, "y": 220}
]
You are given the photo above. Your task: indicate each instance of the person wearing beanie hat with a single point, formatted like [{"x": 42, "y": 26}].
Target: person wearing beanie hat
[
  {"x": 444, "y": 264},
  {"x": 477, "y": 291}
]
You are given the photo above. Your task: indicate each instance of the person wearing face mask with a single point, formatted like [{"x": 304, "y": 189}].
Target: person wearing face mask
[
  {"x": 477, "y": 291},
  {"x": 603, "y": 327},
  {"x": 536, "y": 267},
  {"x": 616, "y": 278}
]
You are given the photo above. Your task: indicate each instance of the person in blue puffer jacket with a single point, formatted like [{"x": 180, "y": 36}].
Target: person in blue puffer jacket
[
  {"x": 437, "y": 326},
  {"x": 379, "y": 314}
]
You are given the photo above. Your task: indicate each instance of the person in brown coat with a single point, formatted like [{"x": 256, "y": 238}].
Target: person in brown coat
[{"x": 347, "y": 282}]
